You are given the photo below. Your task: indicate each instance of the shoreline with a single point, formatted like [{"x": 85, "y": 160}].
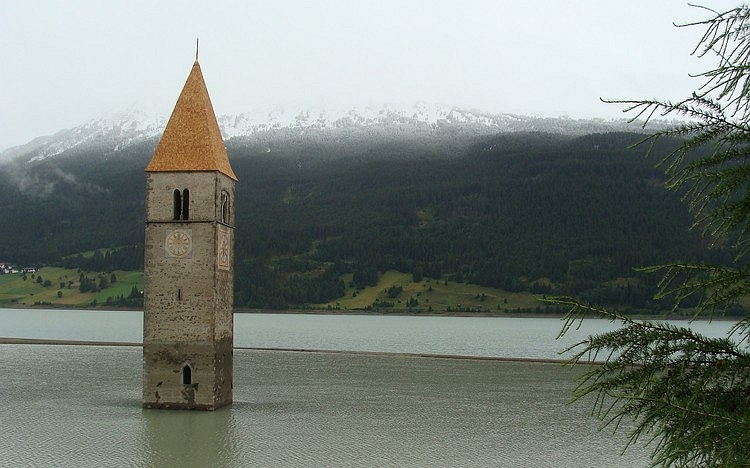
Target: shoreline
[
  {"x": 242, "y": 310},
  {"x": 395, "y": 313},
  {"x": 43, "y": 341}
]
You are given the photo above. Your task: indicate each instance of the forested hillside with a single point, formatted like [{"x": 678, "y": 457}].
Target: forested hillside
[{"x": 537, "y": 212}]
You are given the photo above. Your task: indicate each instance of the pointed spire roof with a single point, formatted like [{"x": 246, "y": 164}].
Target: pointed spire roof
[{"x": 192, "y": 139}]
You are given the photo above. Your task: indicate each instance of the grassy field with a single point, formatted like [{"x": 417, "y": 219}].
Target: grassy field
[
  {"x": 397, "y": 291},
  {"x": 63, "y": 288}
]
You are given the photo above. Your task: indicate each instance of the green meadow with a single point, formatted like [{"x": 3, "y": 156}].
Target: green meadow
[
  {"x": 397, "y": 292},
  {"x": 60, "y": 287}
]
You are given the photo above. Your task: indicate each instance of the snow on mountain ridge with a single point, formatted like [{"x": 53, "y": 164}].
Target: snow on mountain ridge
[
  {"x": 111, "y": 133},
  {"x": 245, "y": 124},
  {"x": 119, "y": 130}
]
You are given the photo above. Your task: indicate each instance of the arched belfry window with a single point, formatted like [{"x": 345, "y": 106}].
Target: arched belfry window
[
  {"x": 187, "y": 375},
  {"x": 185, "y": 204},
  {"x": 225, "y": 207},
  {"x": 181, "y": 205},
  {"x": 177, "y": 204}
]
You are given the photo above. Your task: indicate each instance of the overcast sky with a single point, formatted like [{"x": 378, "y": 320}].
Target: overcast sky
[{"x": 63, "y": 63}]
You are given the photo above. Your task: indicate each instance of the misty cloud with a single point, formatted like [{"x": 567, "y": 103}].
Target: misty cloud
[{"x": 42, "y": 181}]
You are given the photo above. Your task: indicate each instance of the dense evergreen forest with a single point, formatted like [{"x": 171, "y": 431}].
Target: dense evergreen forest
[{"x": 522, "y": 212}]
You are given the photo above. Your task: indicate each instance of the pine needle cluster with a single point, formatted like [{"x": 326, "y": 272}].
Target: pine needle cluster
[{"x": 688, "y": 395}]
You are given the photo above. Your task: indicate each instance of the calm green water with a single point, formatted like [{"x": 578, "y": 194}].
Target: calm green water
[{"x": 80, "y": 406}]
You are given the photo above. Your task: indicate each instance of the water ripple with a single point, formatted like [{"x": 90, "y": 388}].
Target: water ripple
[{"x": 80, "y": 406}]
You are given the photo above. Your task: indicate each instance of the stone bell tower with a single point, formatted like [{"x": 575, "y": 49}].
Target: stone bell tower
[{"x": 188, "y": 263}]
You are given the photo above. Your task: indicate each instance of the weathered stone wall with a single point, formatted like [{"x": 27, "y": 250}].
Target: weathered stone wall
[
  {"x": 211, "y": 367},
  {"x": 179, "y": 293},
  {"x": 188, "y": 292},
  {"x": 205, "y": 195},
  {"x": 224, "y": 280}
]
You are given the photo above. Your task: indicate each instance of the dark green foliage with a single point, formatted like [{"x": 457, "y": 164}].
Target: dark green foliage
[
  {"x": 502, "y": 211},
  {"x": 258, "y": 285},
  {"x": 72, "y": 203},
  {"x": 365, "y": 276},
  {"x": 687, "y": 393},
  {"x": 86, "y": 284},
  {"x": 134, "y": 299},
  {"x": 121, "y": 258},
  {"x": 580, "y": 211},
  {"x": 394, "y": 291}
]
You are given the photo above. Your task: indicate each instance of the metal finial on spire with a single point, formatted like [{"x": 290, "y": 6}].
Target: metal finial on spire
[{"x": 196, "y": 49}]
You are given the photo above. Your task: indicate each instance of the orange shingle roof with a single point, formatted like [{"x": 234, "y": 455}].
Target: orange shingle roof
[{"x": 192, "y": 139}]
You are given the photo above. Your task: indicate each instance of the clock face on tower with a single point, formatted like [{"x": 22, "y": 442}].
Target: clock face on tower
[{"x": 178, "y": 243}]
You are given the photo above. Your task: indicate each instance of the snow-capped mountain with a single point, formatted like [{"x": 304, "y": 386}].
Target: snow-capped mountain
[
  {"x": 118, "y": 131},
  {"x": 245, "y": 124},
  {"x": 108, "y": 134}
]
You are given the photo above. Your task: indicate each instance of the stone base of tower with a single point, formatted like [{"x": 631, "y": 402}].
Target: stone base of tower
[
  {"x": 193, "y": 376},
  {"x": 179, "y": 406}
]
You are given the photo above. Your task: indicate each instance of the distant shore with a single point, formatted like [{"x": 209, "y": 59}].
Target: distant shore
[
  {"x": 399, "y": 313},
  {"x": 383, "y": 312},
  {"x": 46, "y": 341},
  {"x": 242, "y": 310},
  {"x": 406, "y": 313}
]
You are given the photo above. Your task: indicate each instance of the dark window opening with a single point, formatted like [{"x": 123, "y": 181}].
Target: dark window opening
[
  {"x": 179, "y": 294},
  {"x": 185, "y": 204},
  {"x": 225, "y": 207},
  {"x": 187, "y": 377},
  {"x": 177, "y": 204}
]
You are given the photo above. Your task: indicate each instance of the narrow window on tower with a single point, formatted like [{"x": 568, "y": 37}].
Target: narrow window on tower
[
  {"x": 187, "y": 375},
  {"x": 185, "y": 204},
  {"x": 177, "y": 204},
  {"x": 179, "y": 294},
  {"x": 225, "y": 207}
]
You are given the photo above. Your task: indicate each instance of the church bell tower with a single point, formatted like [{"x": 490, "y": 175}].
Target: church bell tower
[{"x": 188, "y": 260}]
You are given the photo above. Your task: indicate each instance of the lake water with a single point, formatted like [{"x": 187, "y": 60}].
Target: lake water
[
  {"x": 470, "y": 336},
  {"x": 80, "y": 405}
]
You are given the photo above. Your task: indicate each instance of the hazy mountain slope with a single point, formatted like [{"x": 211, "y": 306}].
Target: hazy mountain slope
[{"x": 521, "y": 211}]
